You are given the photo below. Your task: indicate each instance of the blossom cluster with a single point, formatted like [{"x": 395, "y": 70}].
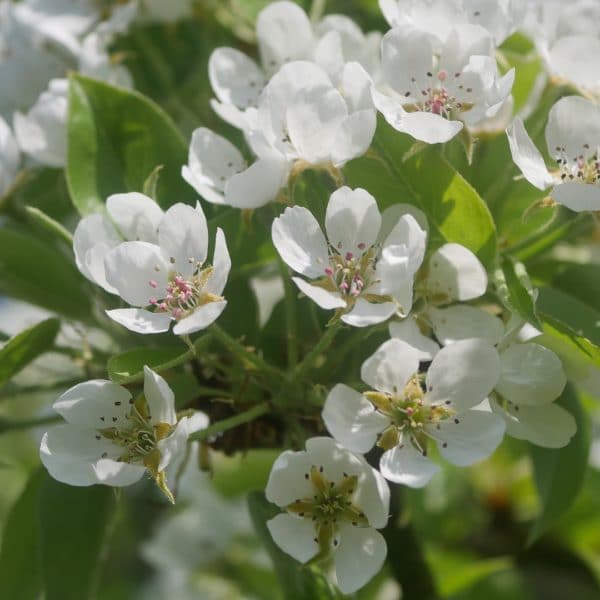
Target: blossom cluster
[{"x": 459, "y": 369}]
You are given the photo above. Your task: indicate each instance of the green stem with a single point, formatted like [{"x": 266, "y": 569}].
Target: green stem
[
  {"x": 311, "y": 358},
  {"x": 52, "y": 226},
  {"x": 239, "y": 350},
  {"x": 317, "y": 9},
  {"x": 8, "y": 425},
  {"x": 291, "y": 324},
  {"x": 235, "y": 421}
]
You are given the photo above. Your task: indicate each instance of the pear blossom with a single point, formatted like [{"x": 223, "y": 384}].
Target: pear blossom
[
  {"x": 365, "y": 278},
  {"x": 431, "y": 94},
  {"x": 168, "y": 280},
  {"x": 95, "y": 61},
  {"x": 301, "y": 120},
  {"x": 112, "y": 438},
  {"x": 10, "y": 157},
  {"x": 404, "y": 413},
  {"x": 573, "y": 141},
  {"x": 42, "y": 132},
  {"x": 333, "y": 503},
  {"x": 436, "y": 17},
  {"x": 130, "y": 217}
]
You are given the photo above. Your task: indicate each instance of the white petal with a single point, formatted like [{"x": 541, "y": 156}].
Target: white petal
[
  {"x": 313, "y": 119},
  {"x": 463, "y": 374},
  {"x": 221, "y": 264},
  {"x": 294, "y": 535},
  {"x": 212, "y": 161},
  {"x": 394, "y": 276},
  {"x": 130, "y": 269},
  {"x": 172, "y": 447},
  {"x": 407, "y": 231},
  {"x": 300, "y": 242},
  {"x": 329, "y": 54},
  {"x": 462, "y": 322},
  {"x": 577, "y": 196},
  {"x": 94, "y": 231},
  {"x": 531, "y": 375},
  {"x": 573, "y": 57},
  {"x": 527, "y": 157},
  {"x": 365, "y": 313},
  {"x": 390, "y": 368},
  {"x": 469, "y": 437},
  {"x": 360, "y": 556},
  {"x": 231, "y": 114},
  {"x": 428, "y": 127},
  {"x": 549, "y": 426},
  {"x": 235, "y": 78},
  {"x": 407, "y": 57},
  {"x": 408, "y": 331},
  {"x": 373, "y": 496},
  {"x": 356, "y": 84},
  {"x": 183, "y": 237},
  {"x": 354, "y": 136},
  {"x": 572, "y": 122},
  {"x": 456, "y": 273},
  {"x": 322, "y": 297},
  {"x": 201, "y": 318},
  {"x": 259, "y": 184},
  {"x": 284, "y": 34},
  {"x": 140, "y": 320},
  {"x": 405, "y": 465},
  {"x": 287, "y": 480},
  {"x": 352, "y": 220},
  {"x": 117, "y": 474},
  {"x": 160, "y": 398},
  {"x": 393, "y": 213},
  {"x": 9, "y": 157},
  {"x": 136, "y": 216},
  {"x": 352, "y": 420},
  {"x": 98, "y": 404}
]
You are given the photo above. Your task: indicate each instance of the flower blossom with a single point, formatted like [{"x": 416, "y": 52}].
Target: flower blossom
[
  {"x": 573, "y": 141},
  {"x": 334, "y": 502},
  {"x": 431, "y": 94},
  {"x": 404, "y": 413},
  {"x": 10, "y": 157},
  {"x": 168, "y": 281},
  {"x": 366, "y": 278},
  {"x": 302, "y": 120},
  {"x": 112, "y": 438}
]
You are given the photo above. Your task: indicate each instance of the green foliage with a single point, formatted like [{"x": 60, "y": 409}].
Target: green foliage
[
  {"x": 512, "y": 283},
  {"x": 73, "y": 530},
  {"x": 559, "y": 472},
  {"x": 116, "y": 140},
  {"x": 31, "y": 269},
  {"x": 455, "y": 211},
  {"x": 25, "y": 347}
]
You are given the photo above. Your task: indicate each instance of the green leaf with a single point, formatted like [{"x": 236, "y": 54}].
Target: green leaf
[
  {"x": 73, "y": 525},
  {"x": 20, "y": 573},
  {"x": 512, "y": 284},
  {"x": 34, "y": 271},
  {"x": 116, "y": 138},
  {"x": 559, "y": 472},
  {"x": 299, "y": 582},
  {"x": 25, "y": 347},
  {"x": 455, "y": 211}
]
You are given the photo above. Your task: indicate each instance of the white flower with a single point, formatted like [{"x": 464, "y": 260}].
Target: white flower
[
  {"x": 42, "y": 132},
  {"x": 429, "y": 94},
  {"x": 132, "y": 216},
  {"x": 403, "y": 414},
  {"x": 95, "y": 61},
  {"x": 170, "y": 277},
  {"x": 366, "y": 278},
  {"x": 10, "y": 157},
  {"x": 302, "y": 119},
  {"x": 573, "y": 141},
  {"x": 436, "y": 17},
  {"x": 334, "y": 503},
  {"x": 112, "y": 438}
]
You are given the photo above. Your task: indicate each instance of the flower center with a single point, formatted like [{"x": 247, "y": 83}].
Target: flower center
[
  {"x": 183, "y": 295},
  {"x": 437, "y": 96},
  {"x": 410, "y": 415},
  {"x": 349, "y": 274},
  {"x": 331, "y": 505},
  {"x": 584, "y": 168}
]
